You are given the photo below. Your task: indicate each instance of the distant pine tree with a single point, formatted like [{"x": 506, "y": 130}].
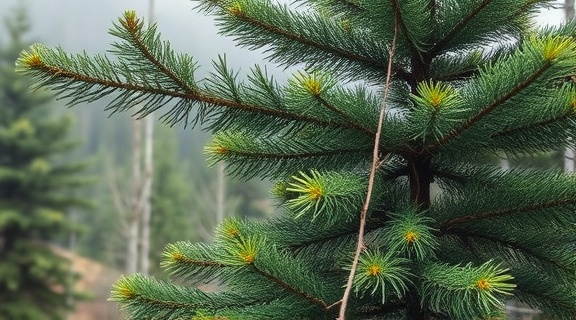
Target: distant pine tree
[
  {"x": 35, "y": 186},
  {"x": 470, "y": 79}
]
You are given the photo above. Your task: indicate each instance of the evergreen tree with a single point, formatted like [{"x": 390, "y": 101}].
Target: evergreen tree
[
  {"x": 35, "y": 192},
  {"x": 423, "y": 90}
]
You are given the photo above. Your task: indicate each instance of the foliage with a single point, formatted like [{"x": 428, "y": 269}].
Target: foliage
[
  {"x": 36, "y": 192},
  {"x": 471, "y": 79}
]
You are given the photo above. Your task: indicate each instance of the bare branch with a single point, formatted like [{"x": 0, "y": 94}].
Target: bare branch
[{"x": 376, "y": 162}]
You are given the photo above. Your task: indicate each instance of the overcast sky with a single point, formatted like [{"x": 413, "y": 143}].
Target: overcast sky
[{"x": 83, "y": 24}]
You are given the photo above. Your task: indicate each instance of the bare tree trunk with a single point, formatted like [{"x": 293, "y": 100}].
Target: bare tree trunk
[
  {"x": 505, "y": 164},
  {"x": 569, "y": 152},
  {"x": 569, "y": 9},
  {"x": 569, "y": 160},
  {"x": 147, "y": 182},
  {"x": 220, "y": 193},
  {"x": 135, "y": 208},
  {"x": 146, "y": 195}
]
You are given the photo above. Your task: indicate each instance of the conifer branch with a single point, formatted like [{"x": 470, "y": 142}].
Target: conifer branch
[
  {"x": 263, "y": 155},
  {"x": 135, "y": 30},
  {"x": 507, "y": 212},
  {"x": 509, "y": 244},
  {"x": 373, "y": 225},
  {"x": 306, "y": 41},
  {"x": 486, "y": 111},
  {"x": 376, "y": 161},
  {"x": 458, "y": 28},
  {"x": 438, "y": 47},
  {"x": 376, "y": 310},
  {"x": 537, "y": 125},
  {"x": 433, "y": 8},
  {"x": 399, "y": 72},
  {"x": 402, "y": 24},
  {"x": 571, "y": 308},
  {"x": 352, "y": 122},
  {"x": 449, "y": 175},
  {"x": 57, "y": 74},
  {"x": 460, "y": 75},
  {"x": 181, "y": 259},
  {"x": 169, "y": 304},
  {"x": 291, "y": 288},
  {"x": 168, "y": 298},
  {"x": 353, "y": 4}
]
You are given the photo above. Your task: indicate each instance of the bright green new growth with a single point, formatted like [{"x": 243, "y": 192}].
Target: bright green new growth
[{"x": 471, "y": 79}]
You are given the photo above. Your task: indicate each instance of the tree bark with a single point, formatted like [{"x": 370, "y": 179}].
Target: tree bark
[
  {"x": 569, "y": 160},
  {"x": 505, "y": 164},
  {"x": 147, "y": 181},
  {"x": 220, "y": 193},
  {"x": 569, "y": 9},
  {"x": 420, "y": 180},
  {"x": 146, "y": 195},
  {"x": 135, "y": 208}
]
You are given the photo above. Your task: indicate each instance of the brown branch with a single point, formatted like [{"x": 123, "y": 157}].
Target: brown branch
[
  {"x": 375, "y": 163},
  {"x": 196, "y": 96},
  {"x": 472, "y": 121},
  {"x": 335, "y": 51},
  {"x": 374, "y": 224},
  {"x": 398, "y": 17},
  {"x": 185, "y": 260},
  {"x": 534, "y": 125},
  {"x": 136, "y": 33},
  {"x": 460, "y": 75},
  {"x": 506, "y": 243},
  {"x": 458, "y": 28},
  {"x": 292, "y": 289},
  {"x": 351, "y": 121},
  {"x": 449, "y": 175},
  {"x": 260, "y": 155},
  {"x": 505, "y": 212},
  {"x": 462, "y": 23},
  {"x": 415, "y": 185}
]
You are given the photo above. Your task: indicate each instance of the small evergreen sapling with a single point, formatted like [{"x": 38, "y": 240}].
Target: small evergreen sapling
[{"x": 456, "y": 82}]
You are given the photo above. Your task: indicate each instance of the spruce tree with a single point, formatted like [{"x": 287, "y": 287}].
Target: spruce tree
[
  {"x": 439, "y": 232},
  {"x": 35, "y": 191}
]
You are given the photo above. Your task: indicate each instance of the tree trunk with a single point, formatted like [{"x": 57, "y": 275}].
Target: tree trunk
[
  {"x": 420, "y": 180},
  {"x": 135, "y": 209},
  {"x": 569, "y": 160},
  {"x": 569, "y": 9},
  {"x": 415, "y": 311},
  {"x": 147, "y": 181},
  {"x": 220, "y": 193},
  {"x": 505, "y": 164},
  {"x": 146, "y": 195}
]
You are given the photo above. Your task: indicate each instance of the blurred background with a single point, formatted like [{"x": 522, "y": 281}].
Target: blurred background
[{"x": 85, "y": 197}]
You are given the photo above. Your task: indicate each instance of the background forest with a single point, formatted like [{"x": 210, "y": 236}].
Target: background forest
[{"x": 185, "y": 193}]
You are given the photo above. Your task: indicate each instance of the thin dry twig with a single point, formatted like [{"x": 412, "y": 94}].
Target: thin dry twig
[{"x": 376, "y": 162}]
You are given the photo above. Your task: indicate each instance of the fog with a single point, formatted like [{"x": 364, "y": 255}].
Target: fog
[
  {"x": 78, "y": 25},
  {"x": 82, "y": 25}
]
